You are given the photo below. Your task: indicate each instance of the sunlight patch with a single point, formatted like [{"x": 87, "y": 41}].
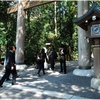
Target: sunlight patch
[
  {"x": 41, "y": 81},
  {"x": 55, "y": 73},
  {"x": 75, "y": 88},
  {"x": 38, "y": 94}
]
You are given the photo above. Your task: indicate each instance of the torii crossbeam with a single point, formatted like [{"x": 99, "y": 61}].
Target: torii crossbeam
[{"x": 27, "y": 5}]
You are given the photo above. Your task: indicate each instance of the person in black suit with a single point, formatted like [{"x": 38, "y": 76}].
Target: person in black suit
[
  {"x": 52, "y": 57},
  {"x": 10, "y": 66},
  {"x": 62, "y": 54},
  {"x": 14, "y": 68}
]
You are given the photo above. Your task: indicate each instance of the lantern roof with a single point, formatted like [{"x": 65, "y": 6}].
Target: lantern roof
[{"x": 93, "y": 14}]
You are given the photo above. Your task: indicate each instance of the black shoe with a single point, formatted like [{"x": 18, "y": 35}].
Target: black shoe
[
  {"x": 1, "y": 86},
  {"x": 14, "y": 83}
]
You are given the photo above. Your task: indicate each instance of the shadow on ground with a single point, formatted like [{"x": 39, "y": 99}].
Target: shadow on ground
[{"x": 55, "y": 81}]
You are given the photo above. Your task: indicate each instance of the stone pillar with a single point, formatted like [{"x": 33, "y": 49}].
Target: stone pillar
[
  {"x": 84, "y": 59},
  {"x": 97, "y": 58},
  {"x": 20, "y": 34},
  {"x": 95, "y": 81}
]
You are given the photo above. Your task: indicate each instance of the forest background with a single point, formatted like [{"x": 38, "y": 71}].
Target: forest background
[{"x": 50, "y": 23}]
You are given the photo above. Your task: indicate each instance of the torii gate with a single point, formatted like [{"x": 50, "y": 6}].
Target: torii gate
[{"x": 21, "y": 7}]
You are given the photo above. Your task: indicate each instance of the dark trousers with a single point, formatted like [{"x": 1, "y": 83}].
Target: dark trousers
[
  {"x": 7, "y": 73},
  {"x": 15, "y": 72},
  {"x": 63, "y": 65},
  {"x": 52, "y": 63},
  {"x": 41, "y": 67}
]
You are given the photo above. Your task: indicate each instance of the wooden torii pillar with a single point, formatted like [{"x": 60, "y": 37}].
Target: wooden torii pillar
[{"x": 20, "y": 35}]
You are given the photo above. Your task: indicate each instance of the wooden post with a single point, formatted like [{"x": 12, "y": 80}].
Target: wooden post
[{"x": 20, "y": 34}]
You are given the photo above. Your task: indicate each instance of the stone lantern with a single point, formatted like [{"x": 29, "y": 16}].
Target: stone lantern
[{"x": 90, "y": 22}]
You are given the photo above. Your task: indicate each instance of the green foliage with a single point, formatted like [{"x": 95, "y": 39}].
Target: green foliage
[
  {"x": 33, "y": 40},
  {"x": 3, "y": 41},
  {"x": 3, "y": 34},
  {"x": 12, "y": 24},
  {"x": 7, "y": 28}
]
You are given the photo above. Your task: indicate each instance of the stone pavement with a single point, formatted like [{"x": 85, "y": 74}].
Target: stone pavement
[{"x": 52, "y": 85}]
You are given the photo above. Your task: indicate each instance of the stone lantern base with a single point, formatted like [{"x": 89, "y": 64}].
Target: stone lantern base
[
  {"x": 83, "y": 72},
  {"x": 95, "y": 83}
]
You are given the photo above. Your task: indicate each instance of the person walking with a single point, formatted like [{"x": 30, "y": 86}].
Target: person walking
[
  {"x": 40, "y": 61},
  {"x": 10, "y": 67},
  {"x": 62, "y": 54},
  {"x": 7, "y": 79}
]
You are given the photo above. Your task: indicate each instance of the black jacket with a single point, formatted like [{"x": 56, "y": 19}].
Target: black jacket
[{"x": 10, "y": 61}]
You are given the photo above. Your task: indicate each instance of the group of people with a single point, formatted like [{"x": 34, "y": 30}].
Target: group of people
[{"x": 42, "y": 57}]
